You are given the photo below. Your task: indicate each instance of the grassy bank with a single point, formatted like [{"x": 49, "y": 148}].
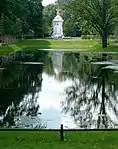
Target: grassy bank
[
  {"x": 72, "y": 45},
  {"x": 50, "y": 140},
  {"x": 5, "y": 50}
]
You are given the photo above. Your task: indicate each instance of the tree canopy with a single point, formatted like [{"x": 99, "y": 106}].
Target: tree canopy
[
  {"x": 19, "y": 17},
  {"x": 101, "y": 15}
]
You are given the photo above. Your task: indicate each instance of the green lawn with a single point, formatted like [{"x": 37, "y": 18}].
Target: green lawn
[
  {"x": 50, "y": 140},
  {"x": 58, "y": 44},
  {"x": 72, "y": 45}
]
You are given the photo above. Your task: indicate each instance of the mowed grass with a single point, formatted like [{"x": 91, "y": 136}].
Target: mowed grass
[
  {"x": 50, "y": 140},
  {"x": 70, "y": 45},
  {"x": 64, "y": 45},
  {"x": 58, "y": 44}
]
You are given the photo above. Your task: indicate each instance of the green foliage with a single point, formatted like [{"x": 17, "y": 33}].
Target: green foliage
[
  {"x": 21, "y": 17},
  {"x": 16, "y": 29},
  {"x": 35, "y": 17},
  {"x": 100, "y": 15},
  {"x": 49, "y": 13},
  {"x": 1, "y": 25}
]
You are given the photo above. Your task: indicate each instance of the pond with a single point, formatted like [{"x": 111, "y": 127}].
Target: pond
[{"x": 43, "y": 89}]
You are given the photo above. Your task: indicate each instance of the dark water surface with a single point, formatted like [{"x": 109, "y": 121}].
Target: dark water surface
[{"x": 43, "y": 89}]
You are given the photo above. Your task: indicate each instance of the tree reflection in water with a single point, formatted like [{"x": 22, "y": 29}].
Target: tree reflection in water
[
  {"x": 19, "y": 87},
  {"x": 92, "y": 97}
]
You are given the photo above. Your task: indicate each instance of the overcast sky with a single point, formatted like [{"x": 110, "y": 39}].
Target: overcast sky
[{"x": 46, "y": 2}]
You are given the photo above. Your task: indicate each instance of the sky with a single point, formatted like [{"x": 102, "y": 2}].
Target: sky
[
  {"x": 50, "y": 98},
  {"x": 46, "y": 2}
]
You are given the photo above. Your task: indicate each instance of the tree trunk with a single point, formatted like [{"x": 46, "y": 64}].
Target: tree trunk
[{"x": 104, "y": 41}]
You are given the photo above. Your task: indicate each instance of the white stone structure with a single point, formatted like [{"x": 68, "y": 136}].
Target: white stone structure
[{"x": 58, "y": 26}]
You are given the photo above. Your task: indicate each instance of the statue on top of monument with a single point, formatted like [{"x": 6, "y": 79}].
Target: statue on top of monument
[{"x": 58, "y": 11}]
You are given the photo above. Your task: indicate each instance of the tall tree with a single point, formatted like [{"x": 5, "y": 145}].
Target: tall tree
[
  {"x": 35, "y": 17},
  {"x": 21, "y": 17},
  {"x": 102, "y": 15},
  {"x": 49, "y": 13}
]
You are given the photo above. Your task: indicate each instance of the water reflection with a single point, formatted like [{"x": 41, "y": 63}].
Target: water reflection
[
  {"x": 19, "y": 85},
  {"x": 43, "y": 89},
  {"x": 57, "y": 61},
  {"x": 92, "y": 99}
]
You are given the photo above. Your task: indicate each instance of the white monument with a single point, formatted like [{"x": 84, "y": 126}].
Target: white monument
[{"x": 58, "y": 26}]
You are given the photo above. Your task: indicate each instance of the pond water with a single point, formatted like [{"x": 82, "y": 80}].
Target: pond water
[{"x": 43, "y": 89}]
